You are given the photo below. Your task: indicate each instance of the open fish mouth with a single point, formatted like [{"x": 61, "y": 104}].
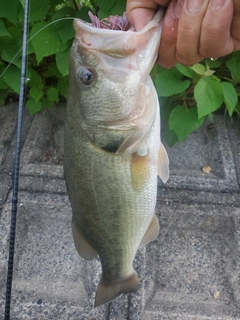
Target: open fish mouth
[{"x": 112, "y": 23}]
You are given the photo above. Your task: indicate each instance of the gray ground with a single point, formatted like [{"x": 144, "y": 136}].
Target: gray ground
[{"x": 190, "y": 272}]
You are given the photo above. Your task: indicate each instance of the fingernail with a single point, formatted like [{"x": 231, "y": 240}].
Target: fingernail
[
  {"x": 193, "y": 6},
  {"x": 216, "y": 4},
  {"x": 177, "y": 7},
  {"x": 169, "y": 19}
]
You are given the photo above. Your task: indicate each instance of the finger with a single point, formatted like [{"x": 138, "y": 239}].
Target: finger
[
  {"x": 235, "y": 29},
  {"x": 139, "y": 17},
  {"x": 139, "y": 13},
  {"x": 167, "y": 50},
  {"x": 216, "y": 40},
  {"x": 189, "y": 30}
]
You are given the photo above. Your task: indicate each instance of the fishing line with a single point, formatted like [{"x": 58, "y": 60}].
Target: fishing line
[
  {"x": 35, "y": 34},
  {"x": 18, "y": 150},
  {"x": 16, "y": 167}
]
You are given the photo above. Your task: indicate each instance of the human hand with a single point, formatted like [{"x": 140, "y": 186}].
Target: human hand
[{"x": 192, "y": 29}]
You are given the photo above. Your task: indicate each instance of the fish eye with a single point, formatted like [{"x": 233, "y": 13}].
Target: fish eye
[{"x": 86, "y": 76}]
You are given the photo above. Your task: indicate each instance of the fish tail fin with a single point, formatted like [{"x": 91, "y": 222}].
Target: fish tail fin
[{"x": 108, "y": 290}]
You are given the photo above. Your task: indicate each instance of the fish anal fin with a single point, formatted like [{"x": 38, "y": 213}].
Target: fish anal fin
[
  {"x": 152, "y": 231},
  {"x": 82, "y": 246},
  {"x": 163, "y": 164},
  {"x": 140, "y": 171},
  {"x": 108, "y": 290}
]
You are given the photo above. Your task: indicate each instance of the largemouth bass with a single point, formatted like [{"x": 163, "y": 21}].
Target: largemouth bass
[{"x": 113, "y": 152}]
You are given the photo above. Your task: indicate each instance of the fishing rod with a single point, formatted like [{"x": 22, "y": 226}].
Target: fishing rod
[{"x": 16, "y": 166}]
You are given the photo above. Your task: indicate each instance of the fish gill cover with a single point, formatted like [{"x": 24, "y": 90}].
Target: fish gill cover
[{"x": 112, "y": 22}]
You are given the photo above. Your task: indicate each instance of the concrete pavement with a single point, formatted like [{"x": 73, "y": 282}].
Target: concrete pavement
[{"x": 190, "y": 272}]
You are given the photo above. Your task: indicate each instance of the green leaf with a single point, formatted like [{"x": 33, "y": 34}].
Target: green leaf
[
  {"x": 209, "y": 96},
  {"x": 186, "y": 71},
  {"x": 102, "y": 14},
  {"x": 62, "y": 62},
  {"x": 52, "y": 71},
  {"x": 209, "y": 72},
  {"x": 56, "y": 2},
  {"x": 8, "y": 10},
  {"x": 47, "y": 103},
  {"x": 169, "y": 82},
  {"x": 12, "y": 48},
  {"x": 236, "y": 55},
  {"x": 20, "y": 15},
  {"x": 4, "y": 41},
  {"x": 83, "y": 14},
  {"x": 170, "y": 137},
  {"x": 166, "y": 106},
  {"x": 35, "y": 79},
  {"x": 156, "y": 70},
  {"x": 212, "y": 63},
  {"x": 16, "y": 34},
  {"x": 38, "y": 10},
  {"x": 198, "y": 68},
  {"x": 230, "y": 96},
  {"x": 64, "y": 27},
  {"x": 3, "y": 96},
  {"x": 210, "y": 117},
  {"x": 105, "y": 5},
  {"x": 33, "y": 106},
  {"x": 3, "y": 30},
  {"x": 12, "y": 78},
  {"x": 36, "y": 94},
  {"x": 52, "y": 94},
  {"x": 63, "y": 85},
  {"x": 9, "y": 53},
  {"x": 64, "y": 12},
  {"x": 47, "y": 41},
  {"x": 3, "y": 84},
  {"x": 22, "y": 3},
  {"x": 237, "y": 109},
  {"x": 118, "y": 8},
  {"x": 183, "y": 121},
  {"x": 234, "y": 66}
]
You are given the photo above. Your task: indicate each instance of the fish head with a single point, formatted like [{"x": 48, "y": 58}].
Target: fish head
[{"x": 107, "y": 68}]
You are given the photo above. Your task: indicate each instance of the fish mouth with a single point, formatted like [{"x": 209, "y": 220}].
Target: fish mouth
[
  {"x": 111, "y": 23},
  {"x": 114, "y": 24},
  {"x": 102, "y": 35}
]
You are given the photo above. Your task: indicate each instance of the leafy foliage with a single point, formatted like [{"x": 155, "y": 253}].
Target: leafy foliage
[
  {"x": 187, "y": 94},
  {"x": 193, "y": 93},
  {"x": 48, "y": 49}
]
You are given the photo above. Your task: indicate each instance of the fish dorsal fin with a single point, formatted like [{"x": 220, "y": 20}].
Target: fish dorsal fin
[
  {"x": 108, "y": 290},
  {"x": 82, "y": 246},
  {"x": 139, "y": 171},
  {"x": 152, "y": 231},
  {"x": 163, "y": 164}
]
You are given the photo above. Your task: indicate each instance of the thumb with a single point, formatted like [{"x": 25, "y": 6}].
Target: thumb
[{"x": 139, "y": 13}]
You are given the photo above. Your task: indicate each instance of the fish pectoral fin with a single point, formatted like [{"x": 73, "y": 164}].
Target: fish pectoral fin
[
  {"x": 152, "y": 231},
  {"x": 140, "y": 171},
  {"x": 108, "y": 290},
  {"x": 82, "y": 246},
  {"x": 163, "y": 164}
]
